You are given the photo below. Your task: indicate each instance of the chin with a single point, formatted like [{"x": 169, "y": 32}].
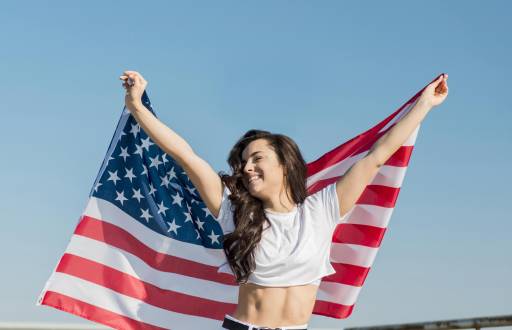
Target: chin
[{"x": 256, "y": 192}]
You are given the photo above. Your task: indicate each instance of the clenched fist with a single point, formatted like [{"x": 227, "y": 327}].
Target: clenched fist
[
  {"x": 436, "y": 92},
  {"x": 135, "y": 85}
]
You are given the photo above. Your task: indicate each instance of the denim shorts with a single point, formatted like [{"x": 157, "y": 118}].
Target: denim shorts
[{"x": 255, "y": 326}]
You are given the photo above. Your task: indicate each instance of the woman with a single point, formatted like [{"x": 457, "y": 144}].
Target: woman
[{"x": 269, "y": 222}]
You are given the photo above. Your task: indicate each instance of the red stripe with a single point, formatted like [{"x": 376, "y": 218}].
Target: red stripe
[
  {"x": 353, "y": 233},
  {"x": 372, "y": 194},
  {"x": 128, "y": 285},
  {"x": 332, "y": 309},
  {"x": 379, "y": 195},
  {"x": 113, "y": 235},
  {"x": 94, "y": 313},
  {"x": 400, "y": 158},
  {"x": 348, "y": 274}
]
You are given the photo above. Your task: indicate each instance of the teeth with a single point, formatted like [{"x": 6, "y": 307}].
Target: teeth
[{"x": 253, "y": 178}]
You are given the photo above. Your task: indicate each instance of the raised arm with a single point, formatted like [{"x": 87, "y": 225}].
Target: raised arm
[
  {"x": 202, "y": 175},
  {"x": 350, "y": 187}
]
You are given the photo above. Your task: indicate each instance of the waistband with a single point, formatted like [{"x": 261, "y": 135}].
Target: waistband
[{"x": 251, "y": 326}]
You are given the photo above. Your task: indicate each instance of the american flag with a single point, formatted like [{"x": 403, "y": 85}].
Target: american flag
[{"x": 146, "y": 251}]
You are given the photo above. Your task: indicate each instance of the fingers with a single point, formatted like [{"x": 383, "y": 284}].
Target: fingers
[
  {"x": 132, "y": 78},
  {"x": 439, "y": 84},
  {"x": 134, "y": 75}
]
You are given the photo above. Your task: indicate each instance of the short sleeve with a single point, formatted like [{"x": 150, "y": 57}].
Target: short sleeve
[
  {"x": 327, "y": 198},
  {"x": 225, "y": 218}
]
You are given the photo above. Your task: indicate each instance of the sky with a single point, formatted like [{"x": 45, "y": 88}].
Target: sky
[{"x": 320, "y": 72}]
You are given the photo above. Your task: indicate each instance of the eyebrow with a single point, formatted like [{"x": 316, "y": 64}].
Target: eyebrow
[{"x": 252, "y": 155}]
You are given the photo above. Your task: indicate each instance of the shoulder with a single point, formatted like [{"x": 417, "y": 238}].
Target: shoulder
[
  {"x": 322, "y": 195},
  {"x": 324, "y": 205}
]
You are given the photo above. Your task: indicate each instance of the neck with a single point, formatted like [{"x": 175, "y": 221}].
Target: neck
[{"x": 279, "y": 203}]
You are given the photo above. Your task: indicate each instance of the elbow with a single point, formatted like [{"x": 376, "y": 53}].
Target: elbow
[{"x": 375, "y": 159}]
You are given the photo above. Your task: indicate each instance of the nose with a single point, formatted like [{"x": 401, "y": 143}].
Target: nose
[{"x": 248, "y": 168}]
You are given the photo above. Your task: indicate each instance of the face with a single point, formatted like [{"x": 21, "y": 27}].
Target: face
[{"x": 263, "y": 174}]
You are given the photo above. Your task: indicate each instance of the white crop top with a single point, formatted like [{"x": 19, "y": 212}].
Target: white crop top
[{"x": 295, "y": 249}]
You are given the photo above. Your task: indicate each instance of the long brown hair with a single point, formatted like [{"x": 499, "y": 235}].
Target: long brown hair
[{"x": 248, "y": 212}]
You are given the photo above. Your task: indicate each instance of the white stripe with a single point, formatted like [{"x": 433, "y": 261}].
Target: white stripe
[
  {"x": 338, "y": 293},
  {"x": 370, "y": 215},
  {"x": 101, "y": 209},
  {"x": 390, "y": 176},
  {"x": 127, "y": 306},
  {"x": 353, "y": 254},
  {"x": 129, "y": 264}
]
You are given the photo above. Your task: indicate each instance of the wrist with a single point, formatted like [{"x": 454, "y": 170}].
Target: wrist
[
  {"x": 425, "y": 105},
  {"x": 136, "y": 107}
]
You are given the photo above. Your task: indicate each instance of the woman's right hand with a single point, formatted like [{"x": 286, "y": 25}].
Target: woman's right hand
[{"x": 135, "y": 85}]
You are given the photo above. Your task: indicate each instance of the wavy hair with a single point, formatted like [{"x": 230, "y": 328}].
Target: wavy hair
[{"x": 248, "y": 211}]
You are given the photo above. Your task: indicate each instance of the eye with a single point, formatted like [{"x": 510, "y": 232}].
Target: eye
[{"x": 257, "y": 158}]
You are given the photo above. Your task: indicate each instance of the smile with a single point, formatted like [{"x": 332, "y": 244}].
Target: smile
[{"x": 254, "y": 178}]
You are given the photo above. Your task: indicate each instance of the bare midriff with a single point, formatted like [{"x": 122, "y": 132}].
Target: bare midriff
[{"x": 275, "y": 306}]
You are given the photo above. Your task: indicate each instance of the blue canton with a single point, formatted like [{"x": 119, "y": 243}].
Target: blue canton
[{"x": 146, "y": 183}]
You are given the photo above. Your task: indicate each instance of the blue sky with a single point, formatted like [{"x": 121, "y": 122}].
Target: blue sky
[{"x": 318, "y": 71}]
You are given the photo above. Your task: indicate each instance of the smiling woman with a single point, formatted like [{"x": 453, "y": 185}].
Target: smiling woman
[
  {"x": 269, "y": 174},
  {"x": 276, "y": 237}
]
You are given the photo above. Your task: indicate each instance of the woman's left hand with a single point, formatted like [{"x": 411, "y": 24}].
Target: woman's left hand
[{"x": 436, "y": 92}]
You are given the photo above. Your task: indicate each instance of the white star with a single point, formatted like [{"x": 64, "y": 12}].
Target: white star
[
  {"x": 120, "y": 197},
  {"x": 213, "y": 237},
  {"x": 124, "y": 153},
  {"x": 177, "y": 199},
  {"x": 188, "y": 217},
  {"x": 172, "y": 174},
  {"x": 113, "y": 176},
  {"x": 137, "y": 194},
  {"x": 165, "y": 181},
  {"x": 164, "y": 158},
  {"x": 97, "y": 186},
  {"x": 135, "y": 129},
  {"x": 154, "y": 162},
  {"x": 146, "y": 143},
  {"x": 162, "y": 208},
  {"x": 129, "y": 174},
  {"x": 145, "y": 171},
  {"x": 198, "y": 235},
  {"x": 173, "y": 227},
  {"x": 200, "y": 223},
  {"x": 191, "y": 190},
  {"x": 110, "y": 158},
  {"x": 189, "y": 208},
  {"x": 207, "y": 212},
  {"x": 138, "y": 150},
  {"x": 151, "y": 189},
  {"x": 145, "y": 214}
]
